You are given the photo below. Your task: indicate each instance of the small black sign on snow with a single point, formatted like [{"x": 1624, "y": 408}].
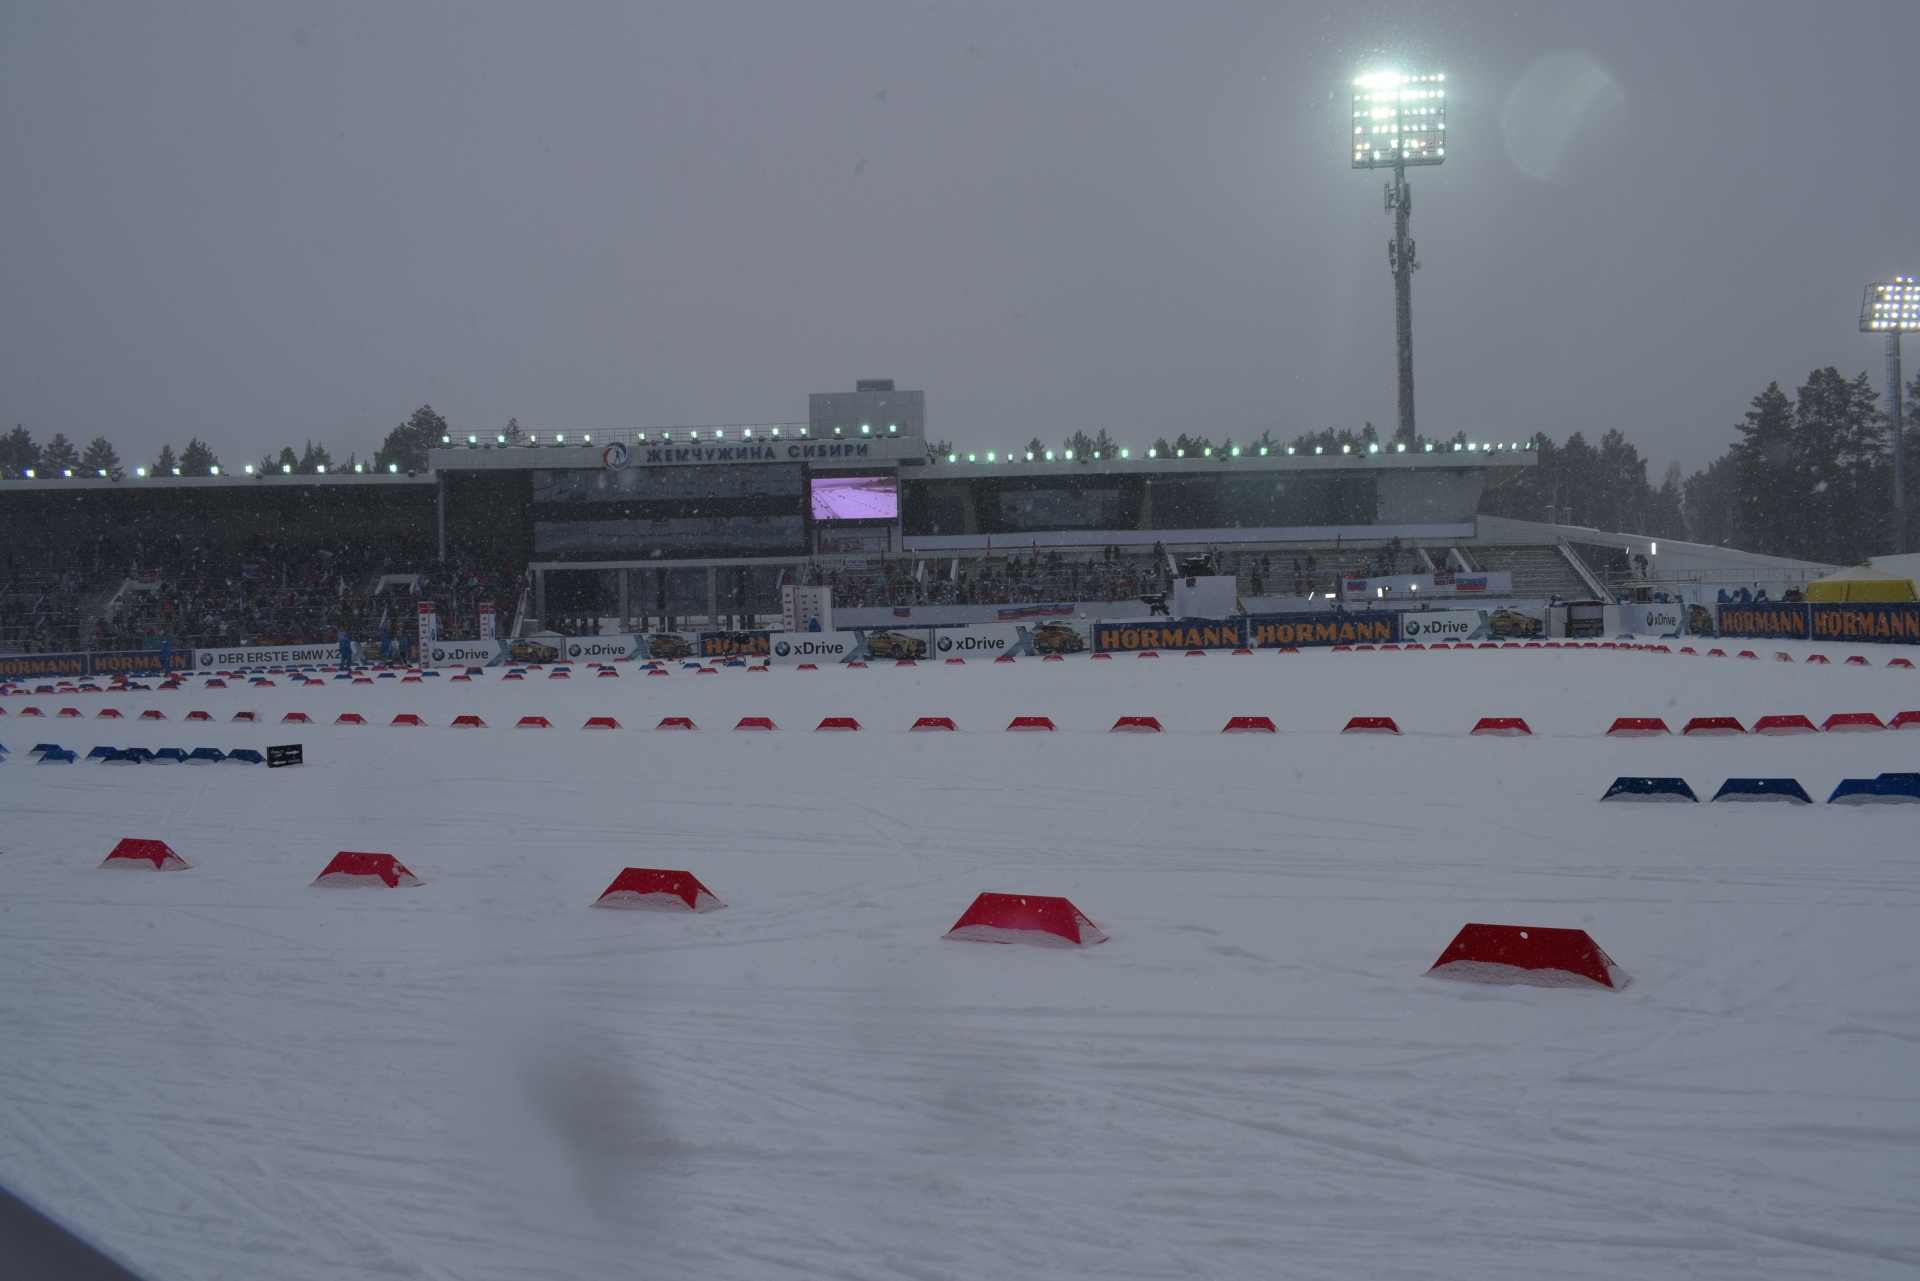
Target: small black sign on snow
[{"x": 289, "y": 754}]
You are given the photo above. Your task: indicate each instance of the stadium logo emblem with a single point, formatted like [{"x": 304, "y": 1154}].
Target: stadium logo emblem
[
  {"x": 206, "y": 660},
  {"x": 945, "y": 643},
  {"x": 782, "y": 648},
  {"x": 439, "y": 655},
  {"x": 573, "y": 651},
  {"x": 615, "y": 456}
]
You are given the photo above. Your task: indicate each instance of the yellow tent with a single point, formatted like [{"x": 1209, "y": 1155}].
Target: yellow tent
[{"x": 1861, "y": 584}]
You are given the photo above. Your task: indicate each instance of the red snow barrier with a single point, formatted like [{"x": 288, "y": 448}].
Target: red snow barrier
[
  {"x": 1149, "y": 653},
  {"x": 1004, "y": 658},
  {"x": 658, "y": 671},
  {"x": 1243, "y": 653},
  {"x": 601, "y": 722},
  {"x": 1905, "y": 720},
  {"x": 804, "y": 667},
  {"x": 1779, "y": 657},
  {"x": 533, "y": 722},
  {"x": 1852, "y": 723},
  {"x": 756, "y": 722},
  {"x": 242, "y": 716},
  {"x": 1101, "y": 655},
  {"x": 935, "y": 723},
  {"x": 350, "y": 869},
  {"x": 1053, "y": 658},
  {"x": 1747, "y": 653},
  {"x": 1637, "y": 727},
  {"x": 1816, "y": 658},
  {"x": 1709, "y": 725},
  {"x": 31, "y": 711},
  {"x": 468, "y": 721},
  {"x": 1777, "y": 725},
  {"x": 1026, "y": 918},
  {"x": 69, "y": 711},
  {"x": 1371, "y": 725},
  {"x": 1526, "y": 954},
  {"x": 1249, "y": 725},
  {"x": 1858, "y": 660},
  {"x": 1899, "y": 662},
  {"x": 650, "y": 889},
  {"x": 139, "y": 853},
  {"x": 408, "y": 718},
  {"x": 1136, "y": 725},
  {"x": 1196, "y": 653},
  {"x": 349, "y": 718},
  {"x": 153, "y": 714},
  {"x": 961, "y": 662},
  {"x": 1029, "y": 723},
  {"x": 904, "y": 662},
  {"x": 107, "y": 714},
  {"x": 609, "y": 671},
  {"x": 676, "y": 722},
  {"x": 836, "y": 722},
  {"x": 199, "y": 716},
  {"x": 296, "y": 718},
  {"x": 1502, "y": 726}
]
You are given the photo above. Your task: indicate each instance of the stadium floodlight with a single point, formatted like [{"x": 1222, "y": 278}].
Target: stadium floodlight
[
  {"x": 393, "y": 467},
  {"x": 1400, "y": 120},
  {"x": 1125, "y": 453},
  {"x": 287, "y": 468},
  {"x": 1894, "y": 309},
  {"x": 141, "y": 471}
]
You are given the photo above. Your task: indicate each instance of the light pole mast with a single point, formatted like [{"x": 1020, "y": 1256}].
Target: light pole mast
[
  {"x": 1399, "y": 121},
  {"x": 1894, "y": 309}
]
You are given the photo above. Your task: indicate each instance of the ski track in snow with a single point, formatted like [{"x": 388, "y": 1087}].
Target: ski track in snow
[{"x": 224, "y": 1073}]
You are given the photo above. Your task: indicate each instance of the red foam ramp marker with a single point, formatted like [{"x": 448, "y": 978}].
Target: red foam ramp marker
[
  {"x": 803, "y": 667},
  {"x": 533, "y": 722},
  {"x": 349, "y": 718},
  {"x": 676, "y": 722},
  {"x": 609, "y": 671},
  {"x": 650, "y": 889},
  {"x": 407, "y": 718},
  {"x": 1782, "y": 658},
  {"x": 1527, "y": 954},
  {"x": 1700, "y": 725},
  {"x": 926, "y": 723},
  {"x": 1852, "y": 723},
  {"x": 1858, "y": 660},
  {"x": 296, "y": 718},
  {"x": 1816, "y": 658},
  {"x": 1637, "y": 727},
  {"x": 1502, "y": 727},
  {"x": 1149, "y": 653},
  {"x": 1136, "y": 725},
  {"x": 1026, "y": 918},
  {"x": 1778, "y": 725},
  {"x": 601, "y": 722},
  {"x": 857, "y": 663},
  {"x": 1371, "y": 725},
  {"x": 199, "y": 716},
  {"x": 1250, "y": 725},
  {"x": 904, "y": 662},
  {"x": 243, "y": 716},
  {"x": 836, "y": 722},
  {"x": 1052, "y": 658},
  {"x": 349, "y": 869},
  {"x": 1747, "y": 653},
  {"x": 1029, "y": 723},
  {"x": 31, "y": 711},
  {"x": 1905, "y": 720},
  {"x": 755, "y": 722},
  {"x": 1004, "y": 658},
  {"x": 153, "y": 714},
  {"x": 138, "y": 853},
  {"x": 1243, "y": 653},
  {"x": 1106, "y": 656},
  {"x": 1900, "y": 662},
  {"x": 107, "y": 714},
  {"x": 468, "y": 722},
  {"x": 956, "y": 662},
  {"x": 69, "y": 711}
]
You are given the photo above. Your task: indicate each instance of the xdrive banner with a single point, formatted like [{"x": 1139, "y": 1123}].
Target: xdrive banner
[
  {"x": 1767, "y": 621},
  {"x": 1892, "y": 623},
  {"x": 1198, "y": 633},
  {"x": 1279, "y": 631},
  {"x": 991, "y": 640}
]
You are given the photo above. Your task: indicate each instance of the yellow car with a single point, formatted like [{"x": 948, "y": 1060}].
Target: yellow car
[
  {"x": 668, "y": 645},
  {"x": 1057, "y": 638},
  {"x": 895, "y": 645},
  {"x": 526, "y": 651},
  {"x": 1512, "y": 623}
]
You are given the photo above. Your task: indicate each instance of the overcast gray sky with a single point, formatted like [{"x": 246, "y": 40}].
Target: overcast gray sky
[{"x": 261, "y": 223}]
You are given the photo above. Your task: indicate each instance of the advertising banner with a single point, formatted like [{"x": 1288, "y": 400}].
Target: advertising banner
[
  {"x": 429, "y": 626},
  {"x": 1278, "y": 631},
  {"x": 810, "y": 647},
  {"x": 1653, "y": 620},
  {"x": 598, "y": 649},
  {"x": 1765, "y": 620},
  {"x": 34, "y": 666},
  {"x": 1881, "y": 623},
  {"x": 991, "y": 640},
  {"x": 475, "y": 653},
  {"x": 755, "y": 644},
  {"x": 1205, "y": 633},
  {"x": 881, "y": 644},
  {"x": 486, "y": 620},
  {"x": 1428, "y": 626},
  {"x": 208, "y": 660},
  {"x": 1445, "y": 583}
]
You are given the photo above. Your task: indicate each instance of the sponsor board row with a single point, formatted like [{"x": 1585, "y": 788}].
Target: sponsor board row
[
  {"x": 1883, "y": 623},
  {"x": 129, "y": 662}
]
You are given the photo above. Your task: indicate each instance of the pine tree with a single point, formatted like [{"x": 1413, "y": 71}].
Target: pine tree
[
  {"x": 288, "y": 461},
  {"x": 198, "y": 459},
  {"x": 406, "y": 446},
  {"x": 18, "y": 453},
  {"x": 315, "y": 460},
  {"x": 99, "y": 457},
  {"x": 513, "y": 433},
  {"x": 166, "y": 462},
  {"x": 58, "y": 455}
]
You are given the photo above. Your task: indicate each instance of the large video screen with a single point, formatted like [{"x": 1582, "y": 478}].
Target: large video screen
[{"x": 856, "y": 498}]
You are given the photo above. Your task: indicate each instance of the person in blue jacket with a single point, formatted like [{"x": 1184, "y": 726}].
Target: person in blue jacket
[{"x": 346, "y": 651}]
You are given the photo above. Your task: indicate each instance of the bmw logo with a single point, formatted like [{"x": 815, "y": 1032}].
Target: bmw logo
[
  {"x": 782, "y": 648},
  {"x": 945, "y": 643},
  {"x": 439, "y": 654},
  {"x": 573, "y": 651}
]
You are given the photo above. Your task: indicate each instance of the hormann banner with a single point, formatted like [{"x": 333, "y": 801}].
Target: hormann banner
[
  {"x": 1280, "y": 631},
  {"x": 148, "y": 662},
  {"x": 31, "y": 666},
  {"x": 1767, "y": 620},
  {"x": 1197, "y": 633},
  {"x": 1882, "y": 623}
]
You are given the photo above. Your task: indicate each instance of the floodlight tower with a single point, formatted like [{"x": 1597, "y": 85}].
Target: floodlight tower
[
  {"x": 1894, "y": 309},
  {"x": 1400, "y": 120}
]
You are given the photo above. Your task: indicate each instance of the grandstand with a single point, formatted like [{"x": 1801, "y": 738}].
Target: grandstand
[{"x": 627, "y": 531}]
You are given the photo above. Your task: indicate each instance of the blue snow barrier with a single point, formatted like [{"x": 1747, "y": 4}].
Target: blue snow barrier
[
  {"x": 1763, "y": 789},
  {"x": 205, "y": 756},
  {"x": 430, "y": 672},
  {"x": 1650, "y": 789},
  {"x": 62, "y": 756},
  {"x": 137, "y": 755},
  {"x": 246, "y": 756},
  {"x": 102, "y": 753},
  {"x": 119, "y": 756},
  {"x": 40, "y": 749},
  {"x": 1887, "y": 789},
  {"x": 344, "y": 676},
  {"x": 386, "y": 676},
  {"x": 170, "y": 754}
]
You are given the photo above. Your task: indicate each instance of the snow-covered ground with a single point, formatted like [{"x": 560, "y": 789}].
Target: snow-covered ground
[{"x": 224, "y": 1073}]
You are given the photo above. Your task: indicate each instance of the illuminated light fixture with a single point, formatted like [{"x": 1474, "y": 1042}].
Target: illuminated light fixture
[
  {"x": 1373, "y": 448},
  {"x": 559, "y": 438},
  {"x": 67, "y": 472},
  {"x": 501, "y": 438},
  {"x": 1208, "y": 451},
  {"x": 588, "y": 438},
  {"x": 893, "y": 429},
  {"x": 1179, "y": 453},
  {"x": 446, "y": 440},
  {"x": 141, "y": 471},
  {"x": 1029, "y": 455},
  {"x": 1894, "y": 309},
  {"x": 1153, "y": 453},
  {"x": 287, "y": 468},
  {"x": 1400, "y": 120},
  {"x": 321, "y": 470},
  {"x": 248, "y": 469},
  {"x": 1429, "y": 447},
  {"x": 836, "y": 431},
  {"x": 776, "y": 431},
  {"x": 472, "y": 441},
  {"x": 719, "y": 433},
  {"x": 1471, "y": 447},
  {"x": 1235, "y": 451},
  {"x": 1263, "y": 451},
  {"x": 1289, "y": 451},
  {"x": 1400, "y": 448},
  {"x": 1653, "y": 549},
  {"x": 1318, "y": 450},
  {"x": 1123, "y": 453},
  {"x": 103, "y": 471},
  {"x": 176, "y": 471},
  {"x": 973, "y": 458},
  {"x": 806, "y": 431},
  {"x": 1070, "y": 455},
  {"x": 358, "y": 468},
  {"x": 952, "y": 457},
  {"x": 866, "y": 429},
  {"x": 393, "y": 467},
  {"x": 1346, "y": 449},
  {"x": 746, "y": 433},
  {"x": 989, "y": 455},
  {"x": 29, "y": 473}
]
